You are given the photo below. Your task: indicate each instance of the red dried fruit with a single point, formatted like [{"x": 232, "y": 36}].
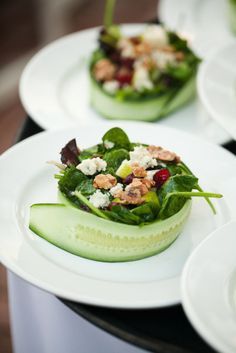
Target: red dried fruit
[
  {"x": 124, "y": 76},
  {"x": 161, "y": 177}
]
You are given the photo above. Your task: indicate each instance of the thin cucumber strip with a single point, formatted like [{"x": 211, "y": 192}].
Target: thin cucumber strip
[
  {"x": 84, "y": 234},
  {"x": 195, "y": 194}
]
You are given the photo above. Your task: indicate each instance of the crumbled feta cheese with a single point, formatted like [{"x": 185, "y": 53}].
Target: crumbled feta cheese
[
  {"x": 111, "y": 86},
  {"x": 143, "y": 157},
  {"x": 141, "y": 79},
  {"x": 162, "y": 59},
  {"x": 91, "y": 166},
  {"x": 100, "y": 164},
  {"x": 156, "y": 36},
  {"x": 115, "y": 189},
  {"x": 126, "y": 47},
  {"x": 99, "y": 200},
  {"x": 108, "y": 144}
]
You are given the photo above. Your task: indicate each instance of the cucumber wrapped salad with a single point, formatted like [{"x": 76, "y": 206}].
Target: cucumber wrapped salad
[
  {"x": 144, "y": 77},
  {"x": 119, "y": 200}
]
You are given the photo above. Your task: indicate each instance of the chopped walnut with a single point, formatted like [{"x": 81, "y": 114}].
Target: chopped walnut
[
  {"x": 133, "y": 196},
  {"x": 137, "y": 184},
  {"x": 168, "y": 49},
  {"x": 138, "y": 171},
  {"x": 148, "y": 183},
  {"x": 154, "y": 150},
  {"x": 142, "y": 49},
  {"x": 162, "y": 154},
  {"x": 104, "y": 181},
  {"x": 104, "y": 70}
]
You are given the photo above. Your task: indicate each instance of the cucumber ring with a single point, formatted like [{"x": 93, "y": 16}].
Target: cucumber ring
[
  {"x": 149, "y": 109},
  {"x": 92, "y": 237}
]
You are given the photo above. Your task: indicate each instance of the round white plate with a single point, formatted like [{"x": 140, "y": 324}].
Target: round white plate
[
  {"x": 26, "y": 178},
  {"x": 54, "y": 89},
  {"x": 217, "y": 87},
  {"x": 209, "y": 289},
  {"x": 204, "y": 23}
]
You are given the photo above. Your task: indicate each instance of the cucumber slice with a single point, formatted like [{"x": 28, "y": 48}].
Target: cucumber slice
[
  {"x": 89, "y": 236},
  {"x": 144, "y": 110}
]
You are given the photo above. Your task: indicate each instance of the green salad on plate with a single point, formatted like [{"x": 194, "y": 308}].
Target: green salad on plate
[{"x": 118, "y": 200}]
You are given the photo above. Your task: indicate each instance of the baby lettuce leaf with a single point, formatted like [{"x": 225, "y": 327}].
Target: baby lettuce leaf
[
  {"x": 114, "y": 158},
  {"x": 119, "y": 213},
  {"x": 145, "y": 212},
  {"x": 70, "y": 153},
  {"x": 86, "y": 187},
  {"x": 71, "y": 178},
  {"x": 171, "y": 204},
  {"x": 118, "y": 137}
]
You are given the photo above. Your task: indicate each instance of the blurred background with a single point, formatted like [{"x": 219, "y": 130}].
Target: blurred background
[{"x": 25, "y": 27}]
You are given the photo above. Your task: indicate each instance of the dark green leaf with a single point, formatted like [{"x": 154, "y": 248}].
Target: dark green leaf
[
  {"x": 71, "y": 179},
  {"x": 86, "y": 187},
  {"x": 118, "y": 137},
  {"x": 144, "y": 212},
  {"x": 121, "y": 214},
  {"x": 114, "y": 158},
  {"x": 177, "y": 183}
]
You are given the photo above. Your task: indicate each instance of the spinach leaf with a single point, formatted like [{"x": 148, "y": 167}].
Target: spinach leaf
[
  {"x": 86, "y": 187},
  {"x": 145, "y": 212},
  {"x": 171, "y": 204},
  {"x": 174, "y": 169},
  {"x": 71, "y": 179},
  {"x": 121, "y": 214},
  {"x": 114, "y": 158},
  {"x": 118, "y": 137}
]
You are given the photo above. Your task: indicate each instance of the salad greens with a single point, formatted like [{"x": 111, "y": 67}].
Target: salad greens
[{"x": 156, "y": 188}]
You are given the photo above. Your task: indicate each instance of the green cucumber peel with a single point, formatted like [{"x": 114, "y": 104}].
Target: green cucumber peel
[{"x": 95, "y": 210}]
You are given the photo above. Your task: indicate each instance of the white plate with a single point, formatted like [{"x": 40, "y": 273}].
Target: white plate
[
  {"x": 54, "y": 89},
  {"x": 25, "y": 179},
  {"x": 209, "y": 289},
  {"x": 204, "y": 22},
  {"x": 217, "y": 87}
]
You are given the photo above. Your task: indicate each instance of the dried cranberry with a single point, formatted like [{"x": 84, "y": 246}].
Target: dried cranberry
[
  {"x": 124, "y": 76},
  {"x": 127, "y": 62},
  {"x": 161, "y": 177},
  {"x": 128, "y": 179}
]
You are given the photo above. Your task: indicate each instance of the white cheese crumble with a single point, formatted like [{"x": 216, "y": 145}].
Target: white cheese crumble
[
  {"x": 108, "y": 144},
  {"x": 141, "y": 79},
  {"x": 143, "y": 157},
  {"x": 91, "y": 166},
  {"x": 156, "y": 36},
  {"x": 115, "y": 189},
  {"x": 163, "y": 59},
  {"x": 126, "y": 47},
  {"x": 99, "y": 200},
  {"x": 111, "y": 86}
]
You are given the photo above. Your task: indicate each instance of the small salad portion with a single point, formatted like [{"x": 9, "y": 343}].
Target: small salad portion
[
  {"x": 120, "y": 200},
  {"x": 142, "y": 77}
]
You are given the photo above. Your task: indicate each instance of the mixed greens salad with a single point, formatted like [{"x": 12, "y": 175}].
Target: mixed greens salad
[
  {"x": 126, "y": 182},
  {"x": 119, "y": 200},
  {"x": 156, "y": 65}
]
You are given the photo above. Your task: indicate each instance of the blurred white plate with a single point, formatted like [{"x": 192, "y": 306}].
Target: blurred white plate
[
  {"x": 26, "y": 178},
  {"x": 217, "y": 87},
  {"x": 209, "y": 289},
  {"x": 54, "y": 89},
  {"x": 204, "y": 23}
]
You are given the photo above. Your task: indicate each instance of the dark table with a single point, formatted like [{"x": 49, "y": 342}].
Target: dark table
[{"x": 165, "y": 330}]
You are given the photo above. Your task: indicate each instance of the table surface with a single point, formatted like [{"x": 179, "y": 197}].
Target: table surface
[{"x": 165, "y": 330}]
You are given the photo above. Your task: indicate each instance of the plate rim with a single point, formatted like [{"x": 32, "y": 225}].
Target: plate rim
[
  {"x": 202, "y": 328},
  {"x": 86, "y": 300},
  {"x": 201, "y": 77}
]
